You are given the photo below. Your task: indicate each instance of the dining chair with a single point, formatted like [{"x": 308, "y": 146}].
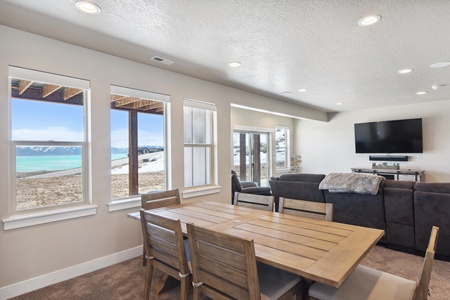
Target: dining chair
[
  {"x": 225, "y": 267},
  {"x": 254, "y": 201},
  {"x": 159, "y": 199},
  {"x": 309, "y": 209},
  {"x": 164, "y": 250},
  {"x": 371, "y": 284}
]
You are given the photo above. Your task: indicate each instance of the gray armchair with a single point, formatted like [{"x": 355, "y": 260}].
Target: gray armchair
[{"x": 246, "y": 187}]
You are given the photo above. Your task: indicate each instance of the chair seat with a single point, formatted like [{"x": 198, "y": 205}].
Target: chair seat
[
  {"x": 366, "y": 284},
  {"x": 273, "y": 282}
]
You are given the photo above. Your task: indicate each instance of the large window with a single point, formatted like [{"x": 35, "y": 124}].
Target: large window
[
  {"x": 199, "y": 141},
  {"x": 48, "y": 140},
  {"x": 137, "y": 142},
  {"x": 282, "y": 148}
]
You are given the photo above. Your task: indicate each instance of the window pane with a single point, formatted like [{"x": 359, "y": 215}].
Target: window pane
[
  {"x": 188, "y": 176},
  {"x": 119, "y": 154},
  {"x": 46, "y": 121},
  {"x": 188, "y": 125},
  {"x": 151, "y": 152},
  {"x": 200, "y": 165},
  {"x": 138, "y": 123},
  {"x": 281, "y": 135},
  {"x": 48, "y": 175}
]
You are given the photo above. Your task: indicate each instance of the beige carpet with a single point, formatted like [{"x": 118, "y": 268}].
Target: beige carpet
[{"x": 126, "y": 280}]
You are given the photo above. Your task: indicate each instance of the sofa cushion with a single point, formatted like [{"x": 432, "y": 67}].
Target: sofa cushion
[{"x": 302, "y": 177}]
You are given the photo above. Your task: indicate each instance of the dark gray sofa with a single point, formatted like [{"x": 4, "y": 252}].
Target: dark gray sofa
[{"x": 405, "y": 210}]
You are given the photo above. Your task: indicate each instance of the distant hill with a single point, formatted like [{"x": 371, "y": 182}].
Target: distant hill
[{"x": 51, "y": 150}]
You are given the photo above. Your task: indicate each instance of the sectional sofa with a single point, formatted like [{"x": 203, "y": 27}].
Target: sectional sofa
[{"x": 405, "y": 210}]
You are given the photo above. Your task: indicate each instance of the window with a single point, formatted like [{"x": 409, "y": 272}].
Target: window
[
  {"x": 137, "y": 142},
  {"x": 199, "y": 142},
  {"x": 49, "y": 153},
  {"x": 282, "y": 147}
]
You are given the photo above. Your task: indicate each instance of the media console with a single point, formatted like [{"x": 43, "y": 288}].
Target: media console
[{"x": 395, "y": 174}]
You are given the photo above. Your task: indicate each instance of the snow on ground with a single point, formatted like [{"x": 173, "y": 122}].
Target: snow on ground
[{"x": 156, "y": 164}]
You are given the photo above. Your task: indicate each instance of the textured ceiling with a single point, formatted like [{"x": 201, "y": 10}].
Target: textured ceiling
[{"x": 282, "y": 45}]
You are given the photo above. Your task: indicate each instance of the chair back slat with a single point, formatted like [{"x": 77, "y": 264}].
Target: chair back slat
[
  {"x": 160, "y": 199},
  {"x": 254, "y": 201},
  {"x": 309, "y": 209},
  {"x": 163, "y": 240},
  {"x": 225, "y": 264},
  {"x": 421, "y": 292}
]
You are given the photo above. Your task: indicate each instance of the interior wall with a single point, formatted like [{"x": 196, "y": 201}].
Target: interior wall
[
  {"x": 330, "y": 147},
  {"x": 33, "y": 251}
]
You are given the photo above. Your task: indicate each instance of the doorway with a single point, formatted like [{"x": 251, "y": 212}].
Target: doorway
[{"x": 251, "y": 156}]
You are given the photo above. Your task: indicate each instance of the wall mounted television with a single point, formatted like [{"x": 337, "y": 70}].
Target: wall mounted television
[{"x": 398, "y": 136}]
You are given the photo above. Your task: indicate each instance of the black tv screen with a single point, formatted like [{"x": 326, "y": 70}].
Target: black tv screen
[{"x": 399, "y": 136}]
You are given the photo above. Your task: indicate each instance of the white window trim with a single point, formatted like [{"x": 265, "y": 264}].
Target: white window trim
[
  {"x": 32, "y": 219},
  {"x": 201, "y": 191},
  {"x": 124, "y": 203}
]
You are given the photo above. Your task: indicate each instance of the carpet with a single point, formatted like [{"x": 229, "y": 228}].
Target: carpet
[{"x": 126, "y": 280}]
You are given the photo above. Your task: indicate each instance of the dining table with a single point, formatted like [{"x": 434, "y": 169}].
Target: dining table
[{"x": 316, "y": 250}]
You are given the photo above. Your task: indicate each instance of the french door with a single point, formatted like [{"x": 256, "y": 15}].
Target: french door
[{"x": 251, "y": 156}]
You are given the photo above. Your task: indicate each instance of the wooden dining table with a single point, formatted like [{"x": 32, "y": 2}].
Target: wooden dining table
[{"x": 317, "y": 250}]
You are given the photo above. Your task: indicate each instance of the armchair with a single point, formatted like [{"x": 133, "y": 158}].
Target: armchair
[{"x": 246, "y": 187}]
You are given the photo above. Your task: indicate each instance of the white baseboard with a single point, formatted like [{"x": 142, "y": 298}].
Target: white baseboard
[{"x": 35, "y": 283}]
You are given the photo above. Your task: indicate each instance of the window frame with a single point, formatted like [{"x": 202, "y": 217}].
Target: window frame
[
  {"x": 135, "y": 200},
  {"x": 287, "y": 168},
  {"x": 211, "y": 187},
  {"x": 51, "y": 213}
]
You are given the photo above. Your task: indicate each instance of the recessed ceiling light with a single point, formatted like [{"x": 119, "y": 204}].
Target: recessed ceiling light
[
  {"x": 88, "y": 7},
  {"x": 369, "y": 20},
  {"x": 421, "y": 93},
  {"x": 440, "y": 64},
  {"x": 302, "y": 90},
  {"x": 339, "y": 103},
  {"x": 235, "y": 64},
  {"x": 405, "y": 71}
]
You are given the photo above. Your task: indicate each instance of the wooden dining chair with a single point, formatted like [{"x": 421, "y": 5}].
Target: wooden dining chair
[
  {"x": 254, "y": 201},
  {"x": 371, "y": 284},
  {"x": 224, "y": 267},
  {"x": 164, "y": 250},
  {"x": 160, "y": 199},
  {"x": 309, "y": 209},
  {"x": 154, "y": 200}
]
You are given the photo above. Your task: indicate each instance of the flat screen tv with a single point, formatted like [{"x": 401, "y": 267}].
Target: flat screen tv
[{"x": 398, "y": 136}]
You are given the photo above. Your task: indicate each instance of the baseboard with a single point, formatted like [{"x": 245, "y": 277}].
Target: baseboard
[{"x": 35, "y": 283}]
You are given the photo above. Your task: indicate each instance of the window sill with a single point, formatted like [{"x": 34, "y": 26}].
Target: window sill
[
  {"x": 123, "y": 204},
  {"x": 201, "y": 191},
  {"x": 25, "y": 220}
]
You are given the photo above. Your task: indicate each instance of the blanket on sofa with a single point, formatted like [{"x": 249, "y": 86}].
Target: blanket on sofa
[{"x": 351, "y": 183}]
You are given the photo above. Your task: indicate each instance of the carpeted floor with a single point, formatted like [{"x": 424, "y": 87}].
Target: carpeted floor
[{"x": 126, "y": 280}]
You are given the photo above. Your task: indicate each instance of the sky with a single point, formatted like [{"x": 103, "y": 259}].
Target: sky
[{"x": 44, "y": 121}]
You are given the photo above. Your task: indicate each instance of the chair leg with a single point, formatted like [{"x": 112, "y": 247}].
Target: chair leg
[
  {"x": 196, "y": 294},
  {"x": 184, "y": 289},
  {"x": 148, "y": 281}
]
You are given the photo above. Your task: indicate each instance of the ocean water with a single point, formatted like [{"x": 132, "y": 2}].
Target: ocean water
[{"x": 52, "y": 162}]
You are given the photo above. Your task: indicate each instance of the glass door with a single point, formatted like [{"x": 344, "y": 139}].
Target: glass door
[{"x": 251, "y": 156}]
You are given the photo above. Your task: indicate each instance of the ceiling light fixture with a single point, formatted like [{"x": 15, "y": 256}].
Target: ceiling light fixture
[
  {"x": 405, "y": 71},
  {"x": 440, "y": 64},
  {"x": 421, "y": 93},
  {"x": 339, "y": 103},
  {"x": 302, "y": 90},
  {"x": 88, "y": 7},
  {"x": 369, "y": 20},
  {"x": 235, "y": 64}
]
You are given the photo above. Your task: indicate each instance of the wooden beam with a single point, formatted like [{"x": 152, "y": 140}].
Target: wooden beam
[
  {"x": 155, "y": 105},
  {"x": 24, "y": 85},
  {"x": 141, "y": 102},
  {"x": 114, "y": 98},
  {"x": 126, "y": 101},
  {"x": 71, "y": 92},
  {"x": 49, "y": 89}
]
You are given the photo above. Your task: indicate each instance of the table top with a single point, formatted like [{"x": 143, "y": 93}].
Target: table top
[{"x": 319, "y": 250}]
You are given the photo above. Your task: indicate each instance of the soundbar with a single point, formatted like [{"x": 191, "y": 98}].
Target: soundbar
[{"x": 389, "y": 158}]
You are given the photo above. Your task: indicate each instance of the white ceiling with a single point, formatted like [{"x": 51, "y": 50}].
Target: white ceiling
[{"x": 282, "y": 45}]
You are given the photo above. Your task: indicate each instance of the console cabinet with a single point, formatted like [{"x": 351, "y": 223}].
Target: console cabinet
[{"x": 395, "y": 174}]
